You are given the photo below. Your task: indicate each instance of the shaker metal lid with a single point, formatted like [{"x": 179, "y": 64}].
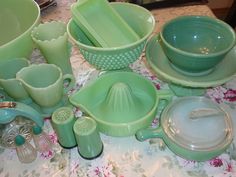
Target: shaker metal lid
[{"x": 197, "y": 123}]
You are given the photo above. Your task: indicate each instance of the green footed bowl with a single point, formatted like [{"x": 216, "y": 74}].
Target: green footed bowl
[{"x": 112, "y": 58}]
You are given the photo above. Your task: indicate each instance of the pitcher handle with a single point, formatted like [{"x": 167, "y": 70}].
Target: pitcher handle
[{"x": 70, "y": 82}]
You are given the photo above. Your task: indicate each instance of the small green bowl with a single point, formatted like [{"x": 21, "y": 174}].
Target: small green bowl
[
  {"x": 112, "y": 58},
  {"x": 17, "y": 20},
  {"x": 196, "y": 44}
]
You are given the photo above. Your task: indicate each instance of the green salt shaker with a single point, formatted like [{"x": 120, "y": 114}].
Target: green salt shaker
[
  {"x": 62, "y": 122},
  {"x": 89, "y": 142}
]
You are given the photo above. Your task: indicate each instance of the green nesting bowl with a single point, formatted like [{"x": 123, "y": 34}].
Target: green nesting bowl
[
  {"x": 17, "y": 19},
  {"x": 196, "y": 44},
  {"x": 120, "y": 102},
  {"x": 112, "y": 58}
]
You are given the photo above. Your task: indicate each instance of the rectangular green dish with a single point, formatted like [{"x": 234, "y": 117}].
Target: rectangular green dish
[{"x": 102, "y": 24}]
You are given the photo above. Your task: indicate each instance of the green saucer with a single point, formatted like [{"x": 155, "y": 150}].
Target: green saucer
[{"x": 185, "y": 85}]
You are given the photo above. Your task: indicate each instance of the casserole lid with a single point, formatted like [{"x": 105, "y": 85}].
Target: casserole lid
[{"x": 197, "y": 123}]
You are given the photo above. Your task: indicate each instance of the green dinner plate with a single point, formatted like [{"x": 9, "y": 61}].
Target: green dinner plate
[{"x": 160, "y": 64}]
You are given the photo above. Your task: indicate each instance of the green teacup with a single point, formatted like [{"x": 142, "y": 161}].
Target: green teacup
[
  {"x": 8, "y": 81},
  {"x": 44, "y": 84},
  {"x": 52, "y": 40}
]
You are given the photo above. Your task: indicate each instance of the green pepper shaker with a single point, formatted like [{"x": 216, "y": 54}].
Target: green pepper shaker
[
  {"x": 62, "y": 122},
  {"x": 89, "y": 142}
]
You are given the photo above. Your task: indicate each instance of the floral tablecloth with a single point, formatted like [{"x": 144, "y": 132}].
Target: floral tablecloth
[{"x": 124, "y": 157}]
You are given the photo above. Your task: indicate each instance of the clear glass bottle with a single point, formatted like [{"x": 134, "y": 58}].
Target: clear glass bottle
[
  {"x": 41, "y": 140},
  {"x": 25, "y": 151}
]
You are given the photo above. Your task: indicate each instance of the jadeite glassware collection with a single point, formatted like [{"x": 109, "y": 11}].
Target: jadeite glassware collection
[{"x": 119, "y": 102}]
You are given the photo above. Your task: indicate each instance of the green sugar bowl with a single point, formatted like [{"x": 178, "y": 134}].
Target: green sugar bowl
[{"x": 120, "y": 102}]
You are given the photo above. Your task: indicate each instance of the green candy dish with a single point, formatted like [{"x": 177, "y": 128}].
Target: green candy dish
[
  {"x": 17, "y": 19},
  {"x": 113, "y": 58},
  {"x": 120, "y": 102},
  {"x": 106, "y": 18},
  {"x": 194, "y": 128},
  {"x": 187, "y": 85},
  {"x": 196, "y": 44}
]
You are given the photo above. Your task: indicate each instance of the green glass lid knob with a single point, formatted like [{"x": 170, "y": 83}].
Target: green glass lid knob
[
  {"x": 19, "y": 140},
  {"x": 37, "y": 130}
]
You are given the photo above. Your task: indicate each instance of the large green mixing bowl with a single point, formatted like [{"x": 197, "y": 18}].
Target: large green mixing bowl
[{"x": 17, "y": 19}]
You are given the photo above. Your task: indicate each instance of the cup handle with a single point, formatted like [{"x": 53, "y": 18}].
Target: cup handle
[{"x": 71, "y": 82}]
